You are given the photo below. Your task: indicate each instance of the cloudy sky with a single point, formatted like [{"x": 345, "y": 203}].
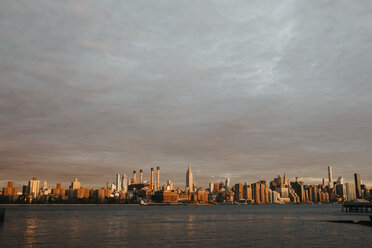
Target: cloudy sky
[{"x": 246, "y": 89}]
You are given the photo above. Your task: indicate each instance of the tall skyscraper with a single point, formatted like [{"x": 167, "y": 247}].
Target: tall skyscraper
[
  {"x": 158, "y": 178},
  {"x": 125, "y": 183},
  {"x": 350, "y": 191},
  {"x": 330, "y": 179},
  {"x": 75, "y": 184},
  {"x": 189, "y": 180},
  {"x": 227, "y": 183},
  {"x": 141, "y": 176},
  {"x": 358, "y": 188},
  {"x": 152, "y": 179},
  {"x": 211, "y": 185},
  {"x": 34, "y": 187},
  {"x": 118, "y": 182}
]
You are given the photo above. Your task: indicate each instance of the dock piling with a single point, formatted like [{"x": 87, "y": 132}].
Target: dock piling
[{"x": 2, "y": 214}]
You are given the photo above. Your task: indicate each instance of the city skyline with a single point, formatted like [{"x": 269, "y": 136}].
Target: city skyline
[
  {"x": 157, "y": 181},
  {"x": 247, "y": 90},
  {"x": 126, "y": 189}
]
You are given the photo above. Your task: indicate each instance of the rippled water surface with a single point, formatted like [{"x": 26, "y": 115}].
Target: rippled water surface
[{"x": 170, "y": 226}]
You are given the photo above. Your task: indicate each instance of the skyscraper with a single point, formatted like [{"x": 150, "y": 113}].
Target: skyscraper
[
  {"x": 330, "y": 180},
  {"x": 75, "y": 184},
  {"x": 118, "y": 182},
  {"x": 158, "y": 178},
  {"x": 152, "y": 179},
  {"x": 125, "y": 183},
  {"x": 350, "y": 191},
  {"x": 189, "y": 180},
  {"x": 34, "y": 187},
  {"x": 141, "y": 176},
  {"x": 358, "y": 188},
  {"x": 227, "y": 183}
]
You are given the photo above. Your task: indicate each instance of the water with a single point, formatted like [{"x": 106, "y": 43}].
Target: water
[{"x": 170, "y": 226}]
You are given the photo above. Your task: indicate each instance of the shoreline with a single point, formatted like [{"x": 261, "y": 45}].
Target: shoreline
[{"x": 154, "y": 204}]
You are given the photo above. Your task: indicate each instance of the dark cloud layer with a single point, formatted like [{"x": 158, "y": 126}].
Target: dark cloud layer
[{"x": 241, "y": 89}]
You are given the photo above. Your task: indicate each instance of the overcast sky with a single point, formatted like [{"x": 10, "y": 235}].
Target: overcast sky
[{"x": 246, "y": 89}]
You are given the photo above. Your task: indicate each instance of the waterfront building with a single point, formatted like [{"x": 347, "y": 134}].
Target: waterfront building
[
  {"x": 238, "y": 192},
  {"x": 202, "y": 195},
  {"x": 298, "y": 188},
  {"x": 247, "y": 192},
  {"x": 256, "y": 192}
]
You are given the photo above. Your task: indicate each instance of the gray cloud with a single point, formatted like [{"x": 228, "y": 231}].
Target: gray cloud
[{"x": 246, "y": 90}]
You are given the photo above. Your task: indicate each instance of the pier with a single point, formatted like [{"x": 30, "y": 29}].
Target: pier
[{"x": 357, "y": 207}]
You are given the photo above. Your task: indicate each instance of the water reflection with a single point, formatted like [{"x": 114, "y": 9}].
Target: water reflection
[
  {"x": 190, "y": 231},
  {"x": 213, "y": 226},
  {"x": 30, "y": 234}
]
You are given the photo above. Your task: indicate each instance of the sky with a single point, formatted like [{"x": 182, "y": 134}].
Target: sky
[{"x": 241, "y": 89}]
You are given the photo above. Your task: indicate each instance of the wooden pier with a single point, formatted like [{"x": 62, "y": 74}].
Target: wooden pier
[{"x": 357, "y": 207}]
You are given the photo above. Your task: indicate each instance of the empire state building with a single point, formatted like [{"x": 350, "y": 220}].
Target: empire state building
[{"x": 189, "y": 180}]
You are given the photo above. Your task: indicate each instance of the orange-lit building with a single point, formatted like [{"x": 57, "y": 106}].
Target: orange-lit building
[{"x": 10, "y": 190}]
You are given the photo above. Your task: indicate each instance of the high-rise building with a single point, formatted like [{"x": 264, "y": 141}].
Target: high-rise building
[
  {"x": 9, "y": 190},
  {"x": 125, "y": 183},
  {"x": 238, "y": 191},
  {"x": 158, "y": 178},
  {"x": 189, "y": 180},
  {"x": 75, "y": 184},
  {"x": 227, "y": 183},
  {"x": 58, "y": 190},
  {"x": 211, "y": 185},
  {"x": 118, "y": 182},
  {"x": 34, "y": 187},
  {"x": 358, "y": 188},
  {"x": 330, "y": 179},
  {"x": 141, "y": 176},
  {"x": 350, "y": 191}
]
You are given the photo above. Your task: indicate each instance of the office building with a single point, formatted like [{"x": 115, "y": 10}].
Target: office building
[
  {"x": 75, "y": 184},
  {"x": 158, "y": 178},
  {"x": 330, "y": 179},
  {"x": 358, "y": 188},
  {"x": 118, "y": 182},
  {"x": 34, "y": 187},
  {"x": 189, "y": 180}
]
